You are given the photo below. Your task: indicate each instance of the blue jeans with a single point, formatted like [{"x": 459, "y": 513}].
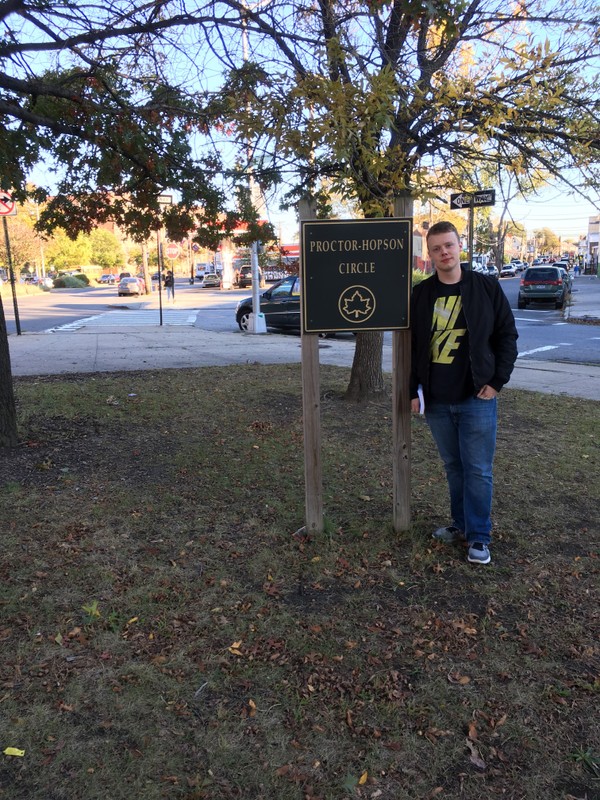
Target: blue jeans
[{"x": 465, "y": 435}]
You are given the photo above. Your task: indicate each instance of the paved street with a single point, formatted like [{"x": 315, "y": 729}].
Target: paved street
[{"x": 200, "y": 331}]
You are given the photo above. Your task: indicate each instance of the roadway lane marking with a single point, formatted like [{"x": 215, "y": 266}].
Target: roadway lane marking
[
  {"x": 538, "y": 350},
  {"x": 115, "y": 319},
  {"x": 71, "y": 326},
  {"x": 535, "y": 319}
]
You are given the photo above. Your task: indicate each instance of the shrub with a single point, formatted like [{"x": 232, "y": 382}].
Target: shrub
[
  {"x": 71, "y": 282},
  {"x": 418, "y": 276}
]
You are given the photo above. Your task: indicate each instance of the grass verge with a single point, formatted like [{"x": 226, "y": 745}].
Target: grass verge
[{"x": 167, "y": 632}]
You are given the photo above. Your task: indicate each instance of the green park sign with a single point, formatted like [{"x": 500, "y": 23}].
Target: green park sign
[{"x": 356, "y": 274}]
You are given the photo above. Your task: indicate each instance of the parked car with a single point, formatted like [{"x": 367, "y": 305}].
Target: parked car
[
  {"x": 245, "y": 277},
  {"x": 477, "y": 267},
  {"x": 107, "y": 280},
  {"x": 129, "y": 286},
  {"x": 492, "y": 271},
  {"x": 543, "y": 284},
  {"x": 567, "y": 277},
  {"x": 211, "y": 281},
  {"x": 518, "y": 264},
  {"x": 280, "y": 304},
  {"x": 508, "y": 271}
]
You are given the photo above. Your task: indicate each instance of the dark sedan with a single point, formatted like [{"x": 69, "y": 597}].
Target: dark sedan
[{"x": 280, "y": 304}]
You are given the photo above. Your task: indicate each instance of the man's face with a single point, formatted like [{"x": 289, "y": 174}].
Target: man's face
[{"x": 444, "y": 251}]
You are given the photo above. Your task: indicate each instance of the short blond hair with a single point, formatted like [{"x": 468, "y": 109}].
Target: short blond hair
[{"x": 442, "y": 227}]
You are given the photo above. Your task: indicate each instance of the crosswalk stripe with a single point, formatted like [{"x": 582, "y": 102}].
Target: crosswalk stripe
[{"x": 114, "y": 319}]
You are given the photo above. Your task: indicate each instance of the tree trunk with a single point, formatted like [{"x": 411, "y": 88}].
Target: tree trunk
[
  {"x": 8, "y": 412},
  {"x": 366, "y": 377}
]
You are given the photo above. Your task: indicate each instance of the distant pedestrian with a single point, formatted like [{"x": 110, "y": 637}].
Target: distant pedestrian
[
  {"x": 464, "y": 346},
  {"x": 170, "y": 286}
]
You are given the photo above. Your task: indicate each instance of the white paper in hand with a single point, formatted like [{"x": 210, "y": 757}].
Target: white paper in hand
[{"x": 421, "y": 400}]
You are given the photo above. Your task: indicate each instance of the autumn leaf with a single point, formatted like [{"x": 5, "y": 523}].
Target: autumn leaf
[
  {"x": 397, "y": 746},
  {"x": 475, "y": 758},
  {"x": 456, "y": 677},
  {"x": 465, "y": 627}
]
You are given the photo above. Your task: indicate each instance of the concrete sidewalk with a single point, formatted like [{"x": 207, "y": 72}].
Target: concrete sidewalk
[{"x": 172, "y": 346}]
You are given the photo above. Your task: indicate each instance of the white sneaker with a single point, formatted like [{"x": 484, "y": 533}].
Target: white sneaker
[
  {"x": 449, "y": 534},
  {"x": 479, "y": 553}
]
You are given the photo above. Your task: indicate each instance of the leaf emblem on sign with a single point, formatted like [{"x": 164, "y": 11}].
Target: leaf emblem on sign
[{"x": 357, "y": 306}]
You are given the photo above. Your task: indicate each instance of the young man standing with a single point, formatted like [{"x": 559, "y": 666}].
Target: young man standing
[{"x": 464, "y": 347}]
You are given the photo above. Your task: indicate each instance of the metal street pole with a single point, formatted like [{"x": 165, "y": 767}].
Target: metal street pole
[
  {"x": 159, "y": 256},
  {"x": 12, "y": 276},
  {"x": 471, "y": 225},
  {"x": 163, "y": 200}
]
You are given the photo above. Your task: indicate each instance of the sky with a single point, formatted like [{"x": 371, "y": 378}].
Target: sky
[{"x": 566, "y": 216}]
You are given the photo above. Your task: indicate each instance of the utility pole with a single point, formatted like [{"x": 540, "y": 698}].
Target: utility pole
[{"x": 258, "y": 323}]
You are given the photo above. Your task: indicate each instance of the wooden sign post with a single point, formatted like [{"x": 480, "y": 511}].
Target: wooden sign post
[
  {"x": 401, "y": 467},
  {"x": 311, "y": 405}
]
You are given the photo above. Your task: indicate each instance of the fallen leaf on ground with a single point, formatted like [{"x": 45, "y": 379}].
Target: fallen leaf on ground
[{"x": 475, "y": 758}]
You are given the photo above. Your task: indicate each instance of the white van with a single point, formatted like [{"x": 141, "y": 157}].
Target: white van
[{"x": 201, "y": 269}]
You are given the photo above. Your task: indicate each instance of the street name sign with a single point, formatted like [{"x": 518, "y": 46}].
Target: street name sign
[
  {"x": 485, "y": 197},
  {"x": 356, "y": 274}
]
